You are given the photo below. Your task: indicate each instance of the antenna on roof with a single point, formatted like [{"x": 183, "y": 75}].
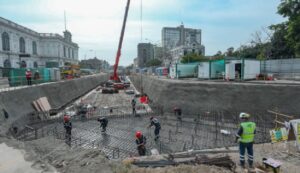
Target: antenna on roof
[{"x": 65, "y": 20}]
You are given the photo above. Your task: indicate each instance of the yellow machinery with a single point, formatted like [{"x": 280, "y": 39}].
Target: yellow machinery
[{"x": 70, "y": 72}]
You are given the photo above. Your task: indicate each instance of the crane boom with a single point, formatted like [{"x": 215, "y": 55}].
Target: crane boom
[{"x": 115, "y": 76}]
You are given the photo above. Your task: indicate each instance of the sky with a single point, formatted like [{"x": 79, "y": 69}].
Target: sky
[{"x": 96, "y": 24}]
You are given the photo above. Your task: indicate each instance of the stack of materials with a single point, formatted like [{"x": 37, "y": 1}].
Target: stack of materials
[
  {"x": 42, "y": 105},
  {"x": 190, "y": 158}
]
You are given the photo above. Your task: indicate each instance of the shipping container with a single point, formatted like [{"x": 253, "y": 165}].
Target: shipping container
[
  {"x": 184, "y": 70},
  {"x": 162, "y": 71},
  {"x": 244, "y": 69},
  {"x": 214, "y": 69}
]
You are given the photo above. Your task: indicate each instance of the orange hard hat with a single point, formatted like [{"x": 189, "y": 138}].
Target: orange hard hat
[
  {"x": 138, "y": 134},
  {"x": 66, "y": 118}
]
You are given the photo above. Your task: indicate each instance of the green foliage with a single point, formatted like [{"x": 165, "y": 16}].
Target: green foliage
[
  {"x": 291, "y": 10},
  {"x": 284, "y": 38},
  {"x": 280, "y": 47},
  {"x": 192, "y": 57},
  {"x": 153, "y": 62}
]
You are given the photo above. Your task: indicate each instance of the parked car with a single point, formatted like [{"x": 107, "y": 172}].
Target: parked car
[
  {"x": 129, "y": 92},
  {"x": 109, "y": 90}
]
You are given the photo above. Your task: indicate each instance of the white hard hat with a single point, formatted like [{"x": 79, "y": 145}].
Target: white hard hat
[{"x": 244, "y": 115}]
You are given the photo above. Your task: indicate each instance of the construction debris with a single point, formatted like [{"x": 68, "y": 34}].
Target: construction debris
[{"x": 220, "y": 161}]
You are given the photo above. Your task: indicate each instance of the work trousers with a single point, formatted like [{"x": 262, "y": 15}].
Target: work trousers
[
  {"x": 249, "y": 148},
  {"x": 68, "y": 136},
  {"x": 156, "y": 133},
  {"x": 142, "y": 150},
  {"x": 29, "y": 81}
]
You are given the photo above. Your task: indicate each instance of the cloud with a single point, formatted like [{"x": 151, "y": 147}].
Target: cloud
[{"x": 96, "y": 24}]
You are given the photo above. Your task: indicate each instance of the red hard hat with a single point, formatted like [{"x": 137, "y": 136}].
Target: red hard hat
[
  {"x": 66, "y": 118},
  {"x": 138, "y": 134}
]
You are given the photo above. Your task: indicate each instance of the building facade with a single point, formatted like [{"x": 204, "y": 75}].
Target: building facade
[
  {"x": 23, "y": 47},
  {"x": 180, "y": 51},
  {"x": 145, "y": 54},
  {"x": 180, "y": 40},
  {"x": 95, "y": 63}
]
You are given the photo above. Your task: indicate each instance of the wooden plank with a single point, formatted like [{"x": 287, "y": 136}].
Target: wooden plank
[
  {"x": 36, "y": 106},
  {"x": 40, "y": 105},
  {"x": 45, "y": 103},
  {"x": 279, "y": 122},
  {"x": 287, "y": 116}
]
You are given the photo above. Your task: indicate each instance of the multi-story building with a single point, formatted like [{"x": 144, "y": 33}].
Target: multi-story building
[
  {"x": 145, "y": 53},
  {"x": 23, "y": 47},
  {"x": 180, "y": 51},
  {"x": 179, "y": 41},
  {"x": 95, "y": 64}
]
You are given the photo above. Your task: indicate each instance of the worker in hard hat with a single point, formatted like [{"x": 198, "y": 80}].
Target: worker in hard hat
[
  {"x": 177, "y": 113},
  {"x": 68, "y": 128},
  {"x": 28, "y": 75},
  {"x": 141, "y": 143},
  {"x": 154, "y": 122},
  {"x": 103, "y": 123},
  {"x": 245, "y": 137}
]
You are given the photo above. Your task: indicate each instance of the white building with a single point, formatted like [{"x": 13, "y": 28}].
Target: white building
[
  {"x": 23, "y": 47},
  {"x": 180, "y": 41},
  {"x": 180, "y": 51},
  {"x": 179, "y": 36}
]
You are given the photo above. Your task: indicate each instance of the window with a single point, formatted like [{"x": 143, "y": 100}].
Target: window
[
  {"x": 34, "y": 49},
  {"x": 35, "y": 64},
  {"x": 23, "y": 64},
  {"x": 65, "y": 51},
  {"x": 5, "y": 41},
  {"x": 22, "y": 45},
  {"x": 69, "y": 53},
  {"x": 7, "y": 64},
  {"x": 72, "y": 54}
]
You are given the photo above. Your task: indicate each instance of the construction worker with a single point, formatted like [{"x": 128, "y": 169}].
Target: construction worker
[
  {"x": 141, "y": 142},
  {"x": 28, "y": 75},
  {"x": 103, "y": 123},
  {"x": 68, "y": 128},
  {"x": 154, "y": 122},
  {"x": 177, "y": 112},
  {"x": 133, "y": 103},
  {"x": 245, "y": 137}
]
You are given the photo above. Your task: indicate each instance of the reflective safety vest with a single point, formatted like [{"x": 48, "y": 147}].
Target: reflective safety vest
[{"x": 248, "y": 132}]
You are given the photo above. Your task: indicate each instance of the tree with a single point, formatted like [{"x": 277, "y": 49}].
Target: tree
[
  {"x": 291, "y": 10},
  {"x": 192, "y": 57},
  {"x": 153, "y": 62},
  {"x": 230, "y": 51},
  {"x": 280, "y": 48}
]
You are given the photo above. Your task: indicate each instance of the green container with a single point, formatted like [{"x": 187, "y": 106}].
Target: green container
[
  {"x": 17, "y": 77},
  {"x": 187, "y": 70}
]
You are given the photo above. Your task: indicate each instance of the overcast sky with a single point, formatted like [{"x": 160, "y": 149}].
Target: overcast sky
[{"x": 96, "y": 24}]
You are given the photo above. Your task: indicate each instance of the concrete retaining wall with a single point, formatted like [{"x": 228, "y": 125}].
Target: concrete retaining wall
[
  {"x": 18, "y": 103},
  {"x": 195, "y": 97}
]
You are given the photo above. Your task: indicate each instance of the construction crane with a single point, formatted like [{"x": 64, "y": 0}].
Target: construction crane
[{"x": 115, "y": 76}]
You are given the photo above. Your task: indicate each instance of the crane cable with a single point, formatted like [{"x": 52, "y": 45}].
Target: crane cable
[{"x": 141, "y": 18}]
